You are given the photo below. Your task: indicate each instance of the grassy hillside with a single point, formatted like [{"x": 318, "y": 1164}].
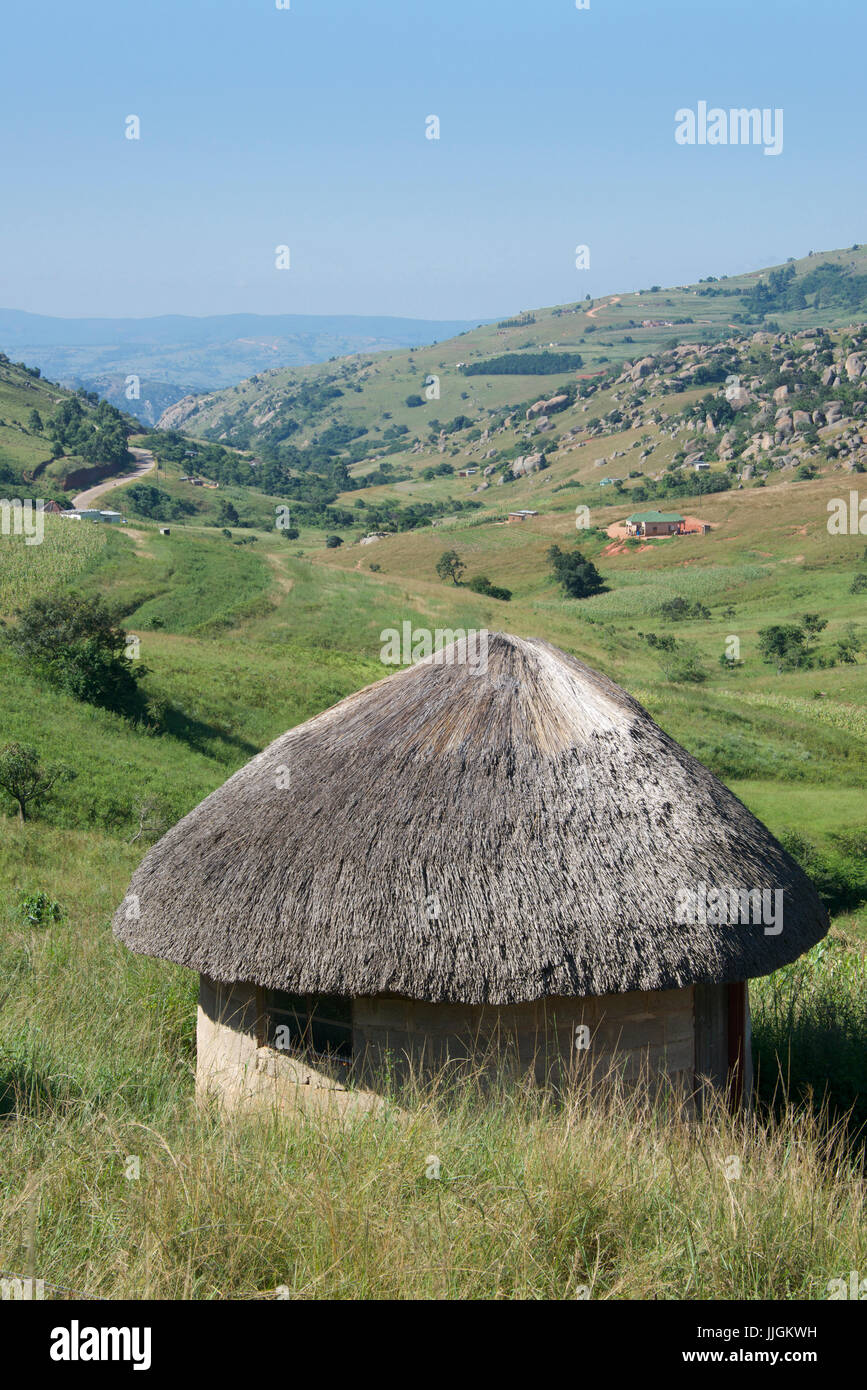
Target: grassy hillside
[
  {"x": 605, "y": 332},
  {"x": 244, "y": 633},
  {"x": 37, "y": 451}
]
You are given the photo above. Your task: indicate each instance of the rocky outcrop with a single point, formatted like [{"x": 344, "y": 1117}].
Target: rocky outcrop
[
  {"x": 176, "y": 415},
  {"x": 529, "y": 463},
  {"x": 548, "y": 407}
]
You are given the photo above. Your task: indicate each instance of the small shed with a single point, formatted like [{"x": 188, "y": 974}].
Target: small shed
[{"x": 470, "y": 859}]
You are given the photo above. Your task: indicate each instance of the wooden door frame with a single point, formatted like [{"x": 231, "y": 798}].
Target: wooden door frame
[{"x": 737, "y": 1019}]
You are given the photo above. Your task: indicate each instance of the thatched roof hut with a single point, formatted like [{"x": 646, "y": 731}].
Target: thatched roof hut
[{"x": 465, "y": 845}]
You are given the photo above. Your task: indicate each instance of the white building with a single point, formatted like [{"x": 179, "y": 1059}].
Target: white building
[{"x": 93, "y": 514}]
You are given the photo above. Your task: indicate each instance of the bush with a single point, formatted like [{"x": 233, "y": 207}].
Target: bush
[
  {"x": 74, "y": 644},
  {"x": 481, "y": 584},
  {"x": 333, "y": 542},
  {"x": 685, "y": 669},
  {"x": 839, "y": 874},
  {"x": 679, "y": 609},
  {"x": 38, "y": 910}
]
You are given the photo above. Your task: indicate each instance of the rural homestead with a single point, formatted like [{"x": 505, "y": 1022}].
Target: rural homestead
[{"x": 455, "y": 864}]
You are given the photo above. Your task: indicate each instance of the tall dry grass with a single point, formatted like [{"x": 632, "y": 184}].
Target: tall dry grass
[
  {"x": 471, "y": 1192},
  {"x": 536, "y": 1197}
]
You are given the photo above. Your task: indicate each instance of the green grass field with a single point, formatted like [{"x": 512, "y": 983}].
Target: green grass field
[{"x": 248, "y": 635}]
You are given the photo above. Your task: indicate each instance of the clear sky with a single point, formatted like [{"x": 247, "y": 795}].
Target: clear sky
[{"x": 306, "y": 127}]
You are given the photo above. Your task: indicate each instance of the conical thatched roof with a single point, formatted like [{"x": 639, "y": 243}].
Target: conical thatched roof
[{"x": 451, "y": 835}]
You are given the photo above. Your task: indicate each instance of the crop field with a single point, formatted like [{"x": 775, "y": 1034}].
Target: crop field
[{"x": 68, "y": 549}]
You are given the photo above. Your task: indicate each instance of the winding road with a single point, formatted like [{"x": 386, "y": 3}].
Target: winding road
[{"x": 145, "y": 462}]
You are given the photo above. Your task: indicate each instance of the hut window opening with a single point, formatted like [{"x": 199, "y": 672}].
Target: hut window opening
[{"x": 310, "y": 1022}]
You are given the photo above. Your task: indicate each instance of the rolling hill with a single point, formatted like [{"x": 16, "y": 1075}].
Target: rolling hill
[
  {"x": 174, "y": 354},
  {"x": 50, "y": 436},
  {"x": 827, "y": 290},
  {"x": 745, "y": 641}
]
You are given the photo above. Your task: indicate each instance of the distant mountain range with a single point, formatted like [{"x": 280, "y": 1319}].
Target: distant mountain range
[{"x": 175, "y": 355}]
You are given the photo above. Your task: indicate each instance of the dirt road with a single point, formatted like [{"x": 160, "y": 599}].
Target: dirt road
[
  {"x": 145, "y": 461},
  {"x": 615, "y": 299}
]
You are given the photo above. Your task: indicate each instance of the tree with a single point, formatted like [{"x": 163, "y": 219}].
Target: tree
[
  {"x": 26, "y": 779},
  {"x": 333, "y": 542},
  {"x": 34, "y": 422},
  {"x": 786, "y": 646},
  {"x": 450, "y": 566},
  {"x": 813, "y": 624},
  {"x": 74, "y": 643},
  {"x": 579, "y": 577},
  {"x": 414, "y": 400},
  {"x": 228, "y": 515},
  {"x": 152, "y": 818}
]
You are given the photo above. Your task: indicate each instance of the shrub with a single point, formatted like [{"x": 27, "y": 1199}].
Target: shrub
[
  {"x": 38, "y": 910},
  {"x": 685, "y": 668},
  {"x": 679, "y": 609},
  {"x": 74, "y": 643},
  {"x": 481, "y": 584}
]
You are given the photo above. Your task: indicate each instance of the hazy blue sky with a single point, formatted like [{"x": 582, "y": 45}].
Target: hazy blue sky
[{"x": 306, "y": 127}]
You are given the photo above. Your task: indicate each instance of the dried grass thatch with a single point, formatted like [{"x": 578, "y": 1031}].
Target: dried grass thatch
[{"x": 451, "y": 835}]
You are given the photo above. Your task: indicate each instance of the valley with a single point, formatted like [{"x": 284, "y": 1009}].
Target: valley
[{"x": 292, "y": 521}]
